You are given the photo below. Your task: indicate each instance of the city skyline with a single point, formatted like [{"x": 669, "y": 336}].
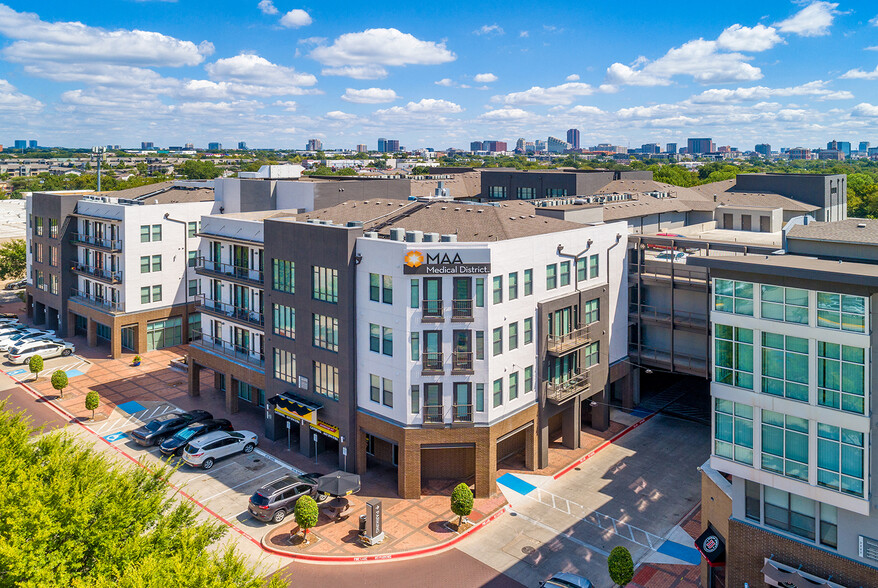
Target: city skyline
[{"x": 276, "y": 75}]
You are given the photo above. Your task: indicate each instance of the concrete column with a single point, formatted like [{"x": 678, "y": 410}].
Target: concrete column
[
  {"x": 571, "y": 423},
  {"x": 543, "y": 439},
  {"x": 635, "y": 386},
  {"x": 232, "y": 396},
  {"x": 70, "y": 326},
  {"x": 29, "y": 306},
  {"x": 39, "y": 313},
  {"x": 91, "y": 333},
  {"x": 486, "y": 467},
  {"x": 194, "y": 379},
  {"x": 600, "y": 414},
  {"x": 360, "y": 458},
  {"x": 530, "y": 447},
  {"x": 306, "y": 443}
]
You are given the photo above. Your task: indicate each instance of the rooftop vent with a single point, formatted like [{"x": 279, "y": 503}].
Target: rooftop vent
[
  {"x": 431, "y": 237},
  {"x": 414, "y": 236},
  {"x": 448, "y": 238},
  {"x": 370, "y": 234},
  {"x": 861, "y": 225},
  {"x": 397, "y": 234},
  {"x": 354, "y": 223}
]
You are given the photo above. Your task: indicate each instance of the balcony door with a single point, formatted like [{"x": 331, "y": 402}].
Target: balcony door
[
  {"x": 563, "y": 368},
  {"x": 463, "y": 297},
  {"x": 433, "y": 412},
  {"x": 463, "y": 402},
  {"x": 563, "y": 321},
  {"x": 433, "y": 350},
  {"x": 463, "y": 350},
  {"x": 241, "y": 297},
  {"x": 433, "y": 296},
  {"x": 241, "y": 259}
]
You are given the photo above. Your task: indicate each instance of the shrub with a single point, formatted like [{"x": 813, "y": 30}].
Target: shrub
[
  {"x": 92, "y": 400},
  {"x": 461, "y": 502},
  {"x": 620, "y": 565},
  {"x": 59, "y": 381},
  {"x": 36, "y": 366},
  {"x": 306, "y": 514}
]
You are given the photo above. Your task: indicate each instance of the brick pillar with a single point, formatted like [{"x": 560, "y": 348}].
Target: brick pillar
[
  {"x": 571, "y": 423},
  {"x": 116, "y": 342},
  {"x": 70, "y": 326},
  {"x": 409, "y": 470},
  {"x": 140, "y": 337},
  {"x": 360, "y": 459},
  {"x": 232, "y": 396},
  {"x": 92, "y": 333},
  {"x": 194, "y": 379},
  {"x": 486, "y": 466}
]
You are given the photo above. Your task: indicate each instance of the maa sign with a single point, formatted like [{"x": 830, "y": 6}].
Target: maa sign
[{"x": 441, "y": 262}]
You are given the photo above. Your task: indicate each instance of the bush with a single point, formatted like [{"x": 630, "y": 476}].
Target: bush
[
  {"x": 461, "y": 502},
  {"x": 36, "y": 366},
  {"x": 59, "y": 381},
  {"x": 92, "y": 400},
  {"x": 306, "y": 514},
  {"x": 620, "y": 565}
]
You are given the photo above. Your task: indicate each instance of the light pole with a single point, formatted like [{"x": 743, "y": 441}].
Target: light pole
[
  {"x": 99, "y": 153},
  {"x": 185, "y": 272}
]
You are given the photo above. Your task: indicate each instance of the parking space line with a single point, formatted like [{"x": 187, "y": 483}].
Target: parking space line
[
  {"x": 205, "y": 501},
  {"x": 211, "y": 472},
  {"x": 107, "y": 425},
  {"x": 272, "y": 458}
]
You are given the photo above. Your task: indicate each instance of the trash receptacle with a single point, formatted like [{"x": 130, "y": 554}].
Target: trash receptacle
[{"x": 362, "y": 524}]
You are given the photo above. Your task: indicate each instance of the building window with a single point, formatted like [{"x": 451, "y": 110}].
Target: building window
[
  {"x": 387, "y": 289},
  {"x": 145, "y": 265},
  {"x": 498, "y": 392},
  {"x": 513, "y": 285},
  {"x": 156, "y": 233},
  {"x": 387, "y": 341},
  {"x": 526, "y": 193},
  {"x": 326, "y": 380},
  {"x": 53, "y": 228},
  {"x": 733, "y": 356},
  {"x": 565, "y": 273},
  {"x": 733, "y": 431},
  {"x": 387, "y": 392},
  {"x": 53, "y": 255},
  {"x": 480, "y": 345},
  {"x": 192, "y": 229},
  {"x": 785, "y": 445},
  {"x": 513, "y": 385},
  {"x": 840, "y": 459},
  {"x": 784, "y": 304},
  {"x": 498, "y": 289},
  {"x": 415, "y": 344},
  {"x": 375, "y": 287},
  {"x": 157, "y": 293},
  {"x": 53, "y": 284},
  {"x": 284, "y": 323},
  {"x": 374, "y": 388},
  {"x": 38, "y": 226},
  {"x": 841, "y": 374},
  {"x": 245, "y": 392},
  {"x": 528, "y": 330},
  {"x": 513, "y": 335},
  {"x": 193, "y": 258},
  {"x": 283, "y": 275},
  {"x": 193, "y": 288},
  {"x": 498, "y": 341},
  {"x": 556, "y": 192},
  {"x": 324, "y": 284},
  {"x": 551, "y": 276},
  {"x": 157, "y": 262},
  {"x": 480, "y": 398},
  {"x": 734, "y": 297},
  {"x": 789, "y": 512},
  {"x": 480, "y": 292},
  {"x": 284, "y": 365},
  {"x": 840, "y": 311},
  {"x": 144, "y": 295},
  {"x": 325, "y": 332},
  {"x": 829, "y": 525},
  {"x": 374, "y": 338},
  {"x": 752, "y": 501},
  {"x": 785, "y": 366},
  {"x": 529, "y": 379},
  {"x": 594, "y": 266},
  {"x": 497, "y": 192},
  {"x": 528, "y": 282},
  {"x": 144, "y": 233},
  {"x": 581, "y": 269},
  {"x": 591, "y": 354},
  {"x": 414, "y": 293},
  {"x": 416, "y": 399}
]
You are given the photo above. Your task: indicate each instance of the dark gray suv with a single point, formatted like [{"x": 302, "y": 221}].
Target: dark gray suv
[{"x": 275, "y": 500}]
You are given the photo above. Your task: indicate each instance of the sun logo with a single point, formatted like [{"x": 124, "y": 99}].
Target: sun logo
[{"x": 414, "y": 258}]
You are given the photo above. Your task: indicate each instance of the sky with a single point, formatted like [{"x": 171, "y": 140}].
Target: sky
[{"x": 274, "y": 73}]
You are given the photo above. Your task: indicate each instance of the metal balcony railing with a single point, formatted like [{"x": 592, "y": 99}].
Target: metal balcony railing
[
  {"x": 432, "y": 363},
  {"x": 462, "y": 361},
  {"x": 83, "y": 239},
  {"x": 433, "y": 413},
  {"x": 683, "y": 318},
  {"x": 560, "y": 344},
  {"x": 560, "y": 390},
  {"x": 247, "y": 315},
  {"x": 227, "y": 348},
  {"x": 462, "y": 309},
  {"x": 462, "y": 413},
  {"x": 223, "y": 270},
  {"x": 112, "y": 277},
  {"x": 432, "y": 308},
  {"x": 96, "y": 301}
]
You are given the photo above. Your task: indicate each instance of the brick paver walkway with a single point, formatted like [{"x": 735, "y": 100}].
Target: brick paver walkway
[{"x": 672, "y": 576}]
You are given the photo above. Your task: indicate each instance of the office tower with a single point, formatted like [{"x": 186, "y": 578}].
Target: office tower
[
  {"x": 475, "y": 146},
  {"x": 214, "y": 146},
  {"x": 698, "y": 146},
  {"x": 671, "y": 148},
  {"x": 32, "y": 144},
  {"x": 573, "y": 138},
  {"x": 556, "y": 145},
  {"x": 314, "y": 145},
  {"x": 763, "y": 149},
  {"x": 242, "y": 146},
  {"x": 362, "y": 148}
]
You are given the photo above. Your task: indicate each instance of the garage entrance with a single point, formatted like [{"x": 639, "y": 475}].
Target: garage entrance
[
  {"x": 445, "y": 466},
  {"x": 511, "y": 448}
]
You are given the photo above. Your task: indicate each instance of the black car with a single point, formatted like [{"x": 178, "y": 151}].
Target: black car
[
  {"x": 174, "y": 445},
  {"x": 276, "y": 499},
  {"x": 157, "y": 430}
]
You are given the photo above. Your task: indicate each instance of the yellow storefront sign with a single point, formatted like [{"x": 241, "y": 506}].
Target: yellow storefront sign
[{"x": 326, "y": 429}]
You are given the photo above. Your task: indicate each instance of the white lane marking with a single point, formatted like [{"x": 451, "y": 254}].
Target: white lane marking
[
  {"x": 279, "y": 462},
  {"x": 210, "y": 472},
  {"x": 561, "y": 534},
  {"x": 107, "y": 425},
  {"x": 239, "y": 485}
]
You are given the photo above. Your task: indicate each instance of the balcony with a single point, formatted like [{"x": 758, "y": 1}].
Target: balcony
[
  {"x": 212, "y": 268},
  {"x": 682, "y": 318},
  {"x": 462, "y": 413},
  {"x": 96, "y": 302},
  {"x": 227, "y": 348},
  {"x": 462, "y": 310},
  {"x": 432, "y": 363},
  {"x": 433, "y": 414},
  {"x": 98, "y": 273},
  {"x": 462, "y": 362},
  {"x": 574, "y": 339},
  {"x": 558, "y": 392},
  {"x": 432, "y": 310},
  {"x": 97, "y": 242},
  {"x": 226, "y": 310}
]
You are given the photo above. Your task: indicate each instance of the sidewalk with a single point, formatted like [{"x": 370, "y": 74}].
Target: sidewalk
[{"x": 655, "y": 575}]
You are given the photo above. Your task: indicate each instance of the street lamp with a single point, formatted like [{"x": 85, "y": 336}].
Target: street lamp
[{"x": 98, "y": 152}]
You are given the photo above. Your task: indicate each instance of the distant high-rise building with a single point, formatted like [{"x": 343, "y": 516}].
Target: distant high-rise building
[
  {"x": 539, "y": 145},
  {"x": 556, "y": 145},
  {"x": 242, "y": 146},
  {"x": 650, "y": 148},
  {"x": 763, "y": 149},
  {"x": 573, "y": 138},
  {"x": 701, "y": 145},
  {"x": 189, "y": 146},
  {"x": 519, "y": 145},
  {"x": 32, "y": 144},
  {"x": 214, "y": 146},
  {"x": 21, "y": 144},
  {"x": 831, "y": 154},
  {"x": 147, "y": 145},
  {"x": 388, "y": 145},
  {"x": 362, "y": 148},
  {"x": 529, "y": 147},
  {"x": 475, "y": 146},
  {"x": 494, "y": 146},
  {"x": 843, "y": 146},
  {"x": 671, "y": 148},
  {"x": 314, "y": 145},
  {"x": 864, "y": 146},
  {"x": 799, "y": 153}
]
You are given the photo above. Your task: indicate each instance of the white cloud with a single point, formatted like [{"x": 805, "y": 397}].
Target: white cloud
[
  {"x": 859, "y": 74},
  {"x": 11, "y": 100},
  {"x": 865, "y": 109},
  {"x": 873, "y": 48},
  {"x": 586, "y": 110},
  {"x": 524, "y": 34},
  {"x": 874, "y": 21},
  {"x": 508, "y": 114},
  {"x": 216, "y": 108},
  {"x": 493, "y": 29},
  {"x": 572, "y": 78},
  {"x": 741, "y": 38},
  {"x": 288, "y": 105},
  {"x": 251, "y": 74},
  {"x": 382, "y": 47},
  {"x": 296, "y": 18},
  {"x": 816, "y": 88},
  {"x": 339, "y": 115},
  {"x": 369, "y": 95},
  {"x": 267, "y": 7},
  {"x": 426, "y": 106},
  {"x": 485, "y": 78},
  {"x": 562, "y": 94},
  {"x": 357, "y": 72},
  {"x": 446, "y": 82},
  {"x": 812, "y": 21}
]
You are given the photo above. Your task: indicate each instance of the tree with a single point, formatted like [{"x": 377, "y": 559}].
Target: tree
[
  {"x": 59, "y": 381},
  {"x": 101, "y": 523},
  {"x": 13, "y": 259},
  {"x": 199, "y": 170},
  {"x": 36, "y": 366},
  {"x": 306, "y": 514},
  {"x": 620, "y": 565},
  {"x": 461, "y": 502},
  {"x": 92, "y": 400}
]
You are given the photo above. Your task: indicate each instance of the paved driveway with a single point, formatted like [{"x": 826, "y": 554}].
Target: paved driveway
[{"x": 632, "y": 493}]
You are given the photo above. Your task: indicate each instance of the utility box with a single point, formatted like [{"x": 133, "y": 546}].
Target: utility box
[{"x": 374, "y": 533}]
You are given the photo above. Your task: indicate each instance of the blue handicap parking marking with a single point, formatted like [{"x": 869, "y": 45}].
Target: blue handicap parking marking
[
  {"x": 640, "y": 412},
  {"x": 72, "y": 373},
  {"x": 131, "y": 407},
  {"x": 515, "y": 483},
  {"x": 115, "y": 436},
  {"x": 681, "y": 552},
  {"x": 16, "y": 372}
]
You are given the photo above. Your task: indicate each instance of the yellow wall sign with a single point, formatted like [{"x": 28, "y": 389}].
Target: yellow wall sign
[
  {"x": 326, "y": 429},
  {"x": 307, "y": 418}
]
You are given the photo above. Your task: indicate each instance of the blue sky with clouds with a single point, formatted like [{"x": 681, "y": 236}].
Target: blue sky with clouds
[{"x": 274, "y": 73}]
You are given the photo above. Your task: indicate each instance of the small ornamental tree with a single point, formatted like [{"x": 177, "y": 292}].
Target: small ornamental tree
[
  {"x": 92, "y": 400},
  {"x": 306, "y": 514},
  {"x": 461, "y": 502},
  {"x": 620, "y": 565},
  {"x": 36, "y": 366},
  {"x": 59, "y": 381}
]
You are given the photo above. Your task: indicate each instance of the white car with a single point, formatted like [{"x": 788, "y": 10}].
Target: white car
[
  {"x": 206, "y": 449},
  {"x": 45, "y": 348},
  {"x": 6, "y": 343}
]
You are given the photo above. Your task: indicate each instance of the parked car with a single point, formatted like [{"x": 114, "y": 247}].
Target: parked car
[
  {"x": 174, "y": 445},
  {"x": 16, "y": 285},
  {"x": 567, "y": 580},
  {"x": 45, "y": 348},
  {"x": 276, "y": 499},
  {"x": 675, "y": 256},
  {"x": 158, "y": 429},
  {"x": 25, "y": 335},
  {"x": 205, "y": 450},
  {"x": 9, "y": 329}
]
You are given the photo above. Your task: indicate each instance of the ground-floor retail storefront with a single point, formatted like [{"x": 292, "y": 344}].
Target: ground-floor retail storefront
[
  {"x": 239, "y": 382},
  {"x": 298, "y": 423}
]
